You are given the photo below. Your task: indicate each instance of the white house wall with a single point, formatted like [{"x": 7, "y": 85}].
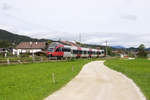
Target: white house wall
[{"x": 18, "y": 51}]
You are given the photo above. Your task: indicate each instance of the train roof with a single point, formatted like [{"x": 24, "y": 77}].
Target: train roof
[{"x": 54, "y": 44}]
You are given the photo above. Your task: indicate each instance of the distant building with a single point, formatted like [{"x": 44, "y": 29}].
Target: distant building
[{"x": 29, "y": 47}]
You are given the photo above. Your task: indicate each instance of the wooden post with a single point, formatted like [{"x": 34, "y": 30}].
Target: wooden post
[
  {"x": 8, "y": 62},
  {"x": 33, "y": 59},
  {"x": 72, "y": 68},
  {"x": 19, "y": 62},
  {"x": 41, "y": 59},
  {"x": 53, "y": 78}
]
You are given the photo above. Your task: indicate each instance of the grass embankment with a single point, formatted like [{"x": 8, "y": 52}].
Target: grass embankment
[
  {"x": 34, "y": 81},
  {"x": 138, "y": 70}
]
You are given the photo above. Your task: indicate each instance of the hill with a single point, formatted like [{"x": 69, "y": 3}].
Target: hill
[
  {"x": 118, "y": 47},
  {"x": 14, "y": 38}
]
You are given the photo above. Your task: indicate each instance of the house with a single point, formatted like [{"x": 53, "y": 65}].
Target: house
[
  {"x": 29, "y": 47},
  {"x": 4, "y": 51},
  {"x": 1, "y": 50}
]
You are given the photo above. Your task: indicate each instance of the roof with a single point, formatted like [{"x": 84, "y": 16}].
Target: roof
[
  {"x": 31, "y": 45},
  {"x": 68, "y": 43},
  {"x": 1, "y": 49}
]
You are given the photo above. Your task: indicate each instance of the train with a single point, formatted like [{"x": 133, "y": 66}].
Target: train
[{"x": 60, "y": 51}]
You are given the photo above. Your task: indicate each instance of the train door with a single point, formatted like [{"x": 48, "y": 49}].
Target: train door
[
  {"x": 90, "y": 53},
  {"x": 67, "y": 52},
  {"x": 74, "y": 52},
  {"x": 58, "y": 52}
]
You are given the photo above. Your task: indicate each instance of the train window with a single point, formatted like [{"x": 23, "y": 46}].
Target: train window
[
  {"x": 99, "y": 53},
  {"x": 58, "y": 49},
  {"x": 50, "y": 49},
  {"x": 102, "y": 52},
  {"x": 66, "y": 49},
  {"x": 63, "y": 49},
  {"x": 92, "y": 52},
  {"x": 75, "y": 52},
  {"x": 69, "y": 50},
  {"x": 80, "y": 52},
  {"x": 85, "y": 52},
  {"x": 89, "y": 52}
]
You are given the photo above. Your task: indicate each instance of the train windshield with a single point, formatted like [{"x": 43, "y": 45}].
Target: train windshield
[{"x": 50, "y": 49}]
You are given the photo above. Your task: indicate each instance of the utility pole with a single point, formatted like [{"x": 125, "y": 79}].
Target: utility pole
[
  {"x": 106, "y": 48},
  {"x": 80, "y": 37}
]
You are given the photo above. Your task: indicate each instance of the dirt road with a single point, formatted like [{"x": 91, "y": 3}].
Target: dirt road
[{"x": 98, "y": 82}]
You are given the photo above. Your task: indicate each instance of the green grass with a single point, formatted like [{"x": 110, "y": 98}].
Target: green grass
[
  {"x": 34, "y": 81},
  {"x": 21, "y": 58},
  {"x": 138, "y": 70}
]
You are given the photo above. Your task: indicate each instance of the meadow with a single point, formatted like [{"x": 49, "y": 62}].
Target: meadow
[
  {"x": 34, "y": 81},
  {"x": 138, "y": 70}
]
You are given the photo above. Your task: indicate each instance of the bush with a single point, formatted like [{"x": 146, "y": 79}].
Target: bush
[{"x": 142, "y": 54}]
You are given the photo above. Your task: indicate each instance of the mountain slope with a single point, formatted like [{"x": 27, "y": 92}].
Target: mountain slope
[
  {"x": 11, "y": 37},
  {"x": 118, "y": 47}
]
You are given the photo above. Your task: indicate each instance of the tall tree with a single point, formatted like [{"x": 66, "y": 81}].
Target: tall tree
[
  {"x": 141, "y": 51},
  {"x": 4, "y": 44},
  {"x": 109, "y": 51},
  {"x": 141, "y": 47}
]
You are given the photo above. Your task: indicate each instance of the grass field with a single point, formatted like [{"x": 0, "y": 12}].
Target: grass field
[
  {"x": 34, "y": 81},
  {"x": 138, "y": 70}
]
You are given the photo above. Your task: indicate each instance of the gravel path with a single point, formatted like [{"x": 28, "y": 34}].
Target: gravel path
[{"x": 98, "y": 82}]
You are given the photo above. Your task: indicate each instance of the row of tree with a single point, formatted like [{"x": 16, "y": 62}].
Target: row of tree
[
  {"x": 5, "y": 44},
  {"x": 141, "y": 52}
]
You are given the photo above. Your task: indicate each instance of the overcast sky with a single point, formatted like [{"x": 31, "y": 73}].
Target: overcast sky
[{"x": 120, "y": 22}]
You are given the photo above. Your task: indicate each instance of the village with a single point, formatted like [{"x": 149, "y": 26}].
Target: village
[{"x": 36, "y": 51}]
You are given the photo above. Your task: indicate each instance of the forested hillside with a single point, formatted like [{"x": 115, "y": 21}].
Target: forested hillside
[{"x": 11, "y": 38}]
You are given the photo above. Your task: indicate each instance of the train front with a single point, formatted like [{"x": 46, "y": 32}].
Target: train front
[
  {"x": 51, "y": 49},
  {"x": 55, "y": 50}
]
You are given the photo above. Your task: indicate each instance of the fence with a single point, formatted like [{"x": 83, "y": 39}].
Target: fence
[{"x": 21, "y": 60}]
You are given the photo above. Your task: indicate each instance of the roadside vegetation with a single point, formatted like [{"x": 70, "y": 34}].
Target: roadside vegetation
[
  {"x": 34, "y": 81},
  {"x": 138, "y": 70}
]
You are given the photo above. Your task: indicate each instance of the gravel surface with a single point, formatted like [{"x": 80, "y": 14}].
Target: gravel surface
[{"x": 98, "y": 82}]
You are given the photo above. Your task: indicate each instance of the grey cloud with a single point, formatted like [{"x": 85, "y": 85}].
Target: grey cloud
[
  {"x": 97, "y": 20},
  {"x": 129, "y": 17},
  {"x": 5, "y": 6}
]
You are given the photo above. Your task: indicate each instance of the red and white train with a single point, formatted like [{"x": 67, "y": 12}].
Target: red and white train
[{"x": 64, "y": 51}]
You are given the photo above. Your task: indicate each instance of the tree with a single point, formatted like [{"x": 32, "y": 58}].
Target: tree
[
  {"x": 49, "y": 42},
  {"x": 141, "y": 51},
  {"x": 4, "y": 44},
  {"x": 141, "y": 47},
  {"x": 109, "y": 51}
]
